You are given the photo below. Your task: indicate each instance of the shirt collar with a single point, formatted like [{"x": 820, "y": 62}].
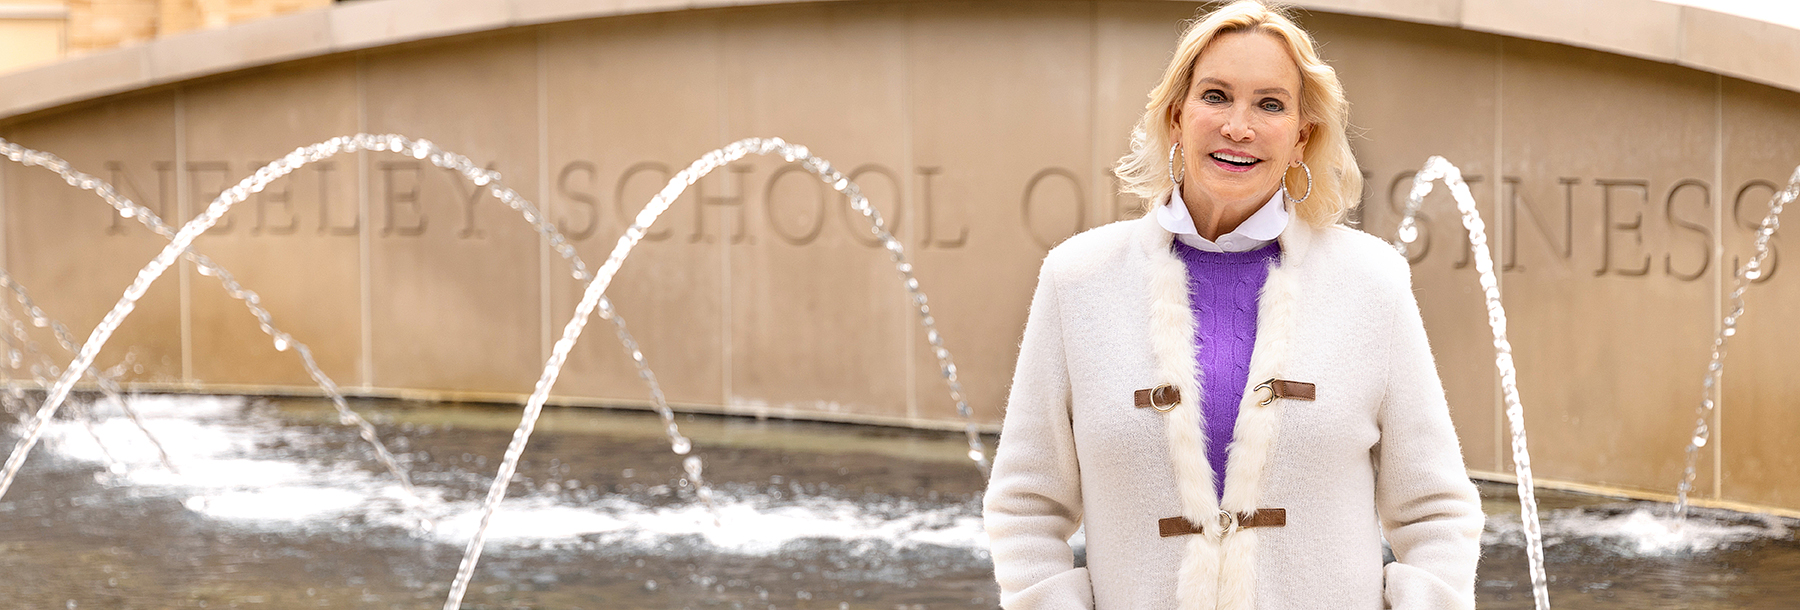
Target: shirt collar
[{"x": 1255, "y": 232}]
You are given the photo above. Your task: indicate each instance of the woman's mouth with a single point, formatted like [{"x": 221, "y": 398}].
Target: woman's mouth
[{"x": 1234, "y": 163}]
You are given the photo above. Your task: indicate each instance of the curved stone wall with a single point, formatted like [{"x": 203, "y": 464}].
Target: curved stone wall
[{"x": 1620, "y": 188}]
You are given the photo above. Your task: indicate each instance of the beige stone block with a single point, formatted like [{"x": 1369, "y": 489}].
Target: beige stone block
[
  {"x": 1640, "y": 28},
  {"x": 1389, "y": 70},
  {"x": 370, "y": 24},
  {"x": 75, "y": 80},
  {"x": 1013, "y": 175},
  {"x": 551, "y": 11},
  {"x": 454, "y": 272},
  {"x": 292, "y": 243},
  {"x": 75, "y": 254},
  {"x": 1612, "y": 298},
  {"x": 1757, "y": 418},
  {"x": 633, "y": 101},
  {"x": 252, "y": 44},
  {"x": 1440, "y": 12},
  {"x": 1717, "y": 42},
  {"x": 819, "y": 317}
]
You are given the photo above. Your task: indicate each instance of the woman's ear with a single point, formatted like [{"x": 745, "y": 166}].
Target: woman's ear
[{"x": 1305, "y": 136}]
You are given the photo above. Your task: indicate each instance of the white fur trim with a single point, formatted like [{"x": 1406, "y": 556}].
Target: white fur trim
[
  {"x": 1172, "y": 329},
  {"x": 1220, "y": 574},
  {"x": 1254, "y": 436}
]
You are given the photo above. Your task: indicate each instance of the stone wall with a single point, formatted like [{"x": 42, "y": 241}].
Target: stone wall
[{"x": 1619, "y": 193}]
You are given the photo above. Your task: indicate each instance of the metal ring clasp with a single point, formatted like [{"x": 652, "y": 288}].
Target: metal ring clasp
[
  {"x": 1228, "y": 523},
  {"x": 1266, "y": 385},
  {"x": 1162, "y": 408}
]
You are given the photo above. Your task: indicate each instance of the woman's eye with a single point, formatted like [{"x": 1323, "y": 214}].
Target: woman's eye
[
  {"x": 1212, "y": 97},
  {"x": 1273, "y": 106}
]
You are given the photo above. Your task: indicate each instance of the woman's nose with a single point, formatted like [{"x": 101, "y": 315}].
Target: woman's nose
[{"x": 1237, "y": 126}]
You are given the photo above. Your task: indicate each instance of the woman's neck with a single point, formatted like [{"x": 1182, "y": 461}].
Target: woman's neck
[{"x": 1212, "y": 220}]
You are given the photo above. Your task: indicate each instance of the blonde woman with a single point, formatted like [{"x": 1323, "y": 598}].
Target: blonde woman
[{"x": 1233, "y": 394}]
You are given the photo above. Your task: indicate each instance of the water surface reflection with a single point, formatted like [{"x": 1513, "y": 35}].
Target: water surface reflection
[{"x": 276, "y": 505}]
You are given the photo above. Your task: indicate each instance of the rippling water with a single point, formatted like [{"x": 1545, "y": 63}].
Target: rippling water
[{"x": 277, "y": 506}]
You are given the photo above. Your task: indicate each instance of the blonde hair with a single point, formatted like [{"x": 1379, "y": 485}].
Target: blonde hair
[{"x": 1336, "y": 179}]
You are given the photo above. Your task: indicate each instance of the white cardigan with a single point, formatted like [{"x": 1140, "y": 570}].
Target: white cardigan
[{"x": 1374, "y": 454}]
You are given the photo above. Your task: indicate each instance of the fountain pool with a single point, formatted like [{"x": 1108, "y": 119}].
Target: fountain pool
[{"x": 276, "y": 505}]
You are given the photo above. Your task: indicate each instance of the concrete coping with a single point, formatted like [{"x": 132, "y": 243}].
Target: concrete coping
[{"x": 1698, "y": 38}]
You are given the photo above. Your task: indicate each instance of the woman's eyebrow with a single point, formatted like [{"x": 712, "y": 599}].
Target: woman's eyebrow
[
  {"x": 1209, "y": 79},
  {"x": 1280, "y": 90}
]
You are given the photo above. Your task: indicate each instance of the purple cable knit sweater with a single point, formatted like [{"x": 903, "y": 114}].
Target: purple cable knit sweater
[{"x": 1224, "y": 289}]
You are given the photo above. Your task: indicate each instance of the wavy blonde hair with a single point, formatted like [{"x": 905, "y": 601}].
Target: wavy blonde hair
[{"x": 1337, "y": 181}]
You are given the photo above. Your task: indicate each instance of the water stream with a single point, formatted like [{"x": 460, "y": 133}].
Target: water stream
[
  {"x": 1438, "y": 168},
  {"x": 181, "y": 241},
  {"x": 1709, "y": 394},
  {"x": 634, "y": 234}
]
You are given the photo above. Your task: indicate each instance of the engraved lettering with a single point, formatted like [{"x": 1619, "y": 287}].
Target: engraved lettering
[
  {"x": 1564, "y": 246},
  {"x": 811, "y": 228},
  {"x": 1421, "y": 246},
  {"x": 619, "y": 196},
  {"x": 394, "y": 197},
  {"x": 1702, "y": 230},
  {"x": 220, "y": 171},
  {"x": 283, "y": 198},
  {"x": 928, "y": 215},
  {"x": 1753, "y": 223},
  {"x": 1468, "y": 247},
  {"x": 733, "y": 203},
  {"x": 1608, "y": 226},
  {"x": 165, "y": 189},
  {"x": 1029, "y": 203},
  {"x": 859, "y": 228},
  {"x": 470, "y": 195},
  {"x": 582, "y": 198},
  {"x": 325, "y": 227}
]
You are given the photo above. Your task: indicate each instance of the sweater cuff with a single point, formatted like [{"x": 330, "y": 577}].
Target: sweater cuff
[
  {"x": 1070, "y": 590},
  {"x": 1412, "y": 588}
]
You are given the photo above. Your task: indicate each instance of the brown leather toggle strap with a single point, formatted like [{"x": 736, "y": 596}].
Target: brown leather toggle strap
[
  {"x": 1161, "y": 398},
  {"x": 1227, "y": 523},
  {"x": 1282, "y": 388}
]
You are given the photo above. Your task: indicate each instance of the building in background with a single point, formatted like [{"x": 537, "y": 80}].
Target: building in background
[{"x": 34, "y": 32}]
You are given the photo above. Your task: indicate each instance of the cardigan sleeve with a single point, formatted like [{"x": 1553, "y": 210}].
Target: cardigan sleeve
[
  {"x": 1033, "y": 501},
  {"x": 1430, "y": 511}
]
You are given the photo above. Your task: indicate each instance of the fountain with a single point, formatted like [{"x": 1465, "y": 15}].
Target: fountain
[
  {"x": 1709, "y": 394},
  {"x": 593, "y": 297},
  {"x": 1438, "y": 168},
  {"x": 1584, "y": 526}
]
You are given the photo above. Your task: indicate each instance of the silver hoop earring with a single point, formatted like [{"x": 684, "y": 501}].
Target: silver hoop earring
[
  {"x": 1290, "y": 196},
  {"x": 1175, "y": 180}
]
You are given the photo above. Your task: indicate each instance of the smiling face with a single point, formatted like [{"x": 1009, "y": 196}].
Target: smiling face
[{"x": 1239, "y": 127}]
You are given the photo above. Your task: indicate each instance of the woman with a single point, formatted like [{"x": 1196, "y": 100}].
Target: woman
[{"x": 1233, "y": 394}]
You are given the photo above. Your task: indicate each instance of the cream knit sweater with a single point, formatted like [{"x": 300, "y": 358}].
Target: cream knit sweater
[{"x": 1374, "y": 454}]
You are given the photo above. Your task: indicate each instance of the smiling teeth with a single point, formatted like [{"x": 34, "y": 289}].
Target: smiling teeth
[{"x": 1233, "y": 158}]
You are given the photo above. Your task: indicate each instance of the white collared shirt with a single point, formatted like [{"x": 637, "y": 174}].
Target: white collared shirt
[{"x": 1256, "y": 231}]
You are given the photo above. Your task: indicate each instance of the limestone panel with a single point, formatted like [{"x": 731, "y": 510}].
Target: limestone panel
[
  {"x": 631, "y": 102},
  {"x": 296, "y": 244},
  {"x": 1132, "y": 45},
  {"x": 1013, "y": 172},
  {"x": 1611, "y": 295},
  {"x": 1389, "y": 70},
  {"x": 75, "y": 255},
  {"x": 1757, "y": 418},
  {"x": 454, "y": 272},
  {"x": 818, "y": 314}
]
